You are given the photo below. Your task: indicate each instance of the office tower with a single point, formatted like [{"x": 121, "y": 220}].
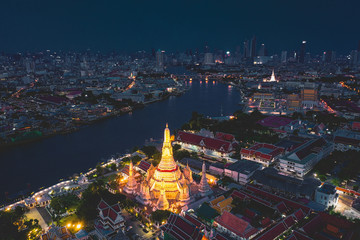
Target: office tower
[
  {"x": 283, "y": 56},
  {"x": 302, "y": 52},
  {"x": 246, "y": 49},
  {"x": 262, "y": 50},
  {"x": 329, "y": 56},
  {"x": 253, "y": 47},
  {"x": 208, "y": 59},
  {"x": 354, "y": 58},
  {"x": 160, "y": 60}
]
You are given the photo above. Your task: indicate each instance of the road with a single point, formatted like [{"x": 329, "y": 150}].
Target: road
[{"x": 137, "y": 231}]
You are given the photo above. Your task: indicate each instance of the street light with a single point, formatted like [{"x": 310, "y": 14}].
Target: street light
[{"x": 78, "y": 226}]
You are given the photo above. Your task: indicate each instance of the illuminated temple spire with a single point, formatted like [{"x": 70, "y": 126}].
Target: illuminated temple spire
[
  {"x": 273, "y": 79},
  {"x": 167, "y": 162},
  {"x": 163, "y": 203},
  {"x": 131, "y": 185},
  {"x": 204, "y": 187}
]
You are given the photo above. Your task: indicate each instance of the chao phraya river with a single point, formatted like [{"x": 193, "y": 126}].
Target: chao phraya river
[{"x": 44, "y": 162}]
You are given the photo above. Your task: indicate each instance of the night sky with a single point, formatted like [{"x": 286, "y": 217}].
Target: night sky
[{"x": 129, "y": 25}]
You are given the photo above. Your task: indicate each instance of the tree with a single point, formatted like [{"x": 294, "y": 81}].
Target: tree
[
  {"x": 63, "y": 203},
  {"x": 135, "y": 159},
  {"x": 336, "y": 181},
  {"x": 176, "y": 147},
  {"x": 87, "y": 209},
  {"x": 113, "y": 167},
  {"x": 160, "y": 215},
  {"x": 10, "y": 222},
  {"x": 149, "y": 150},
  {"x": 194, "y": 155},
  {"x": 180, "y": 154},
  {"x": 99, "y": 169}
]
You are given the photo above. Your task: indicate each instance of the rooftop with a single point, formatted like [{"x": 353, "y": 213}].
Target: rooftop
[
  {"x": 244, "y": 166},
  {"x": 275, "y": 121},
  {"x": 306, "y": 151},
  {"x": 327, "y": 189}
]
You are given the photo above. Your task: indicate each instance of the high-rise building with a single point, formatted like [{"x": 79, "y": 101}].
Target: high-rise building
[
  {"x": 253, "y": 47},
  {"x": 302, "y": 52},
  {"x": 208, "y": 59},
  {"x": 307, "y": 57},
  {"x": 160, "y": 60},
  {"x": 354, "y": 58},
  {"x": 262, "y": 50},
  {"x": 246, "y": 49},
  {"x": 329, "y": 56},
  {"x": 284, "y": 56}
]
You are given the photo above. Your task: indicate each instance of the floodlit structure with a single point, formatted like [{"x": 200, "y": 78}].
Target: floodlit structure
[
  {"x": 204, "y": 187},
  {"x": 131, "y": 185},
  {"x": 166, "y": 184}
]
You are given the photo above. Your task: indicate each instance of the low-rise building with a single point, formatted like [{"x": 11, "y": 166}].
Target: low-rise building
[
  {"x": 110, "y": 219},
  {"x": 262, "y": 153},
  {"x": 301, "y": 160},
  {"x": 234, "y": 227},
  {"x": 217, "y": 168},
  {"x": 326, "y": 195},
  {"x": 180, "y": 228},
  {"x": 345, "y": 140},
  {"x": 56, "y": 233},
  {"x": 242, "y": 170},
  {"x": 221, "y": 204},
  {"x": 213, "y": 147},
  {"x": 272, "y": 181}
]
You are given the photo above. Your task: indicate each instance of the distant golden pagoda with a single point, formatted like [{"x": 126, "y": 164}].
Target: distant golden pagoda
[{"x": 166, "y": 182}]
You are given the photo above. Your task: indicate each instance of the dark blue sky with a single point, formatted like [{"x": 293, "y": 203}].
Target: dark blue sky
[{"x": 129, "y": 25}]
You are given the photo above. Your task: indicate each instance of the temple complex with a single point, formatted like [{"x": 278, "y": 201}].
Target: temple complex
[{"x": 166, "y": 184}]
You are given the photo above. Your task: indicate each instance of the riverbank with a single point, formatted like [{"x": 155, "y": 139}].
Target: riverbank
[{"x": 78, "y": 125}]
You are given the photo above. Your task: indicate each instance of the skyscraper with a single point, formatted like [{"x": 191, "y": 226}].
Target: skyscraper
[
  {"x": 262, "y": 50},
  {"x": 302, "y": 52},
  {"x": 354, "y": 58},
  {"x": 329, "y": 56},
  {"x": 160, "y": 60},
  {"x": 246, "y": 49},
  {"x": 208, "y": 59},
  {"x": 283, "y": 56},
  {"x": 253, "y": 47}
]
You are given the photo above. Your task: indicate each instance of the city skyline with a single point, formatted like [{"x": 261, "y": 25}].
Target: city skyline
[{"x": 325, "y": 25}]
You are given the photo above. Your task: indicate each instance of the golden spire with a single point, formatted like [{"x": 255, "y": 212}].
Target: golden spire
[{"x": 167, "y": 162}]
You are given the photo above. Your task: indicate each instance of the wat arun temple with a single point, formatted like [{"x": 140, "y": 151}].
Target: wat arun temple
[{"x": 166, "y": 186}]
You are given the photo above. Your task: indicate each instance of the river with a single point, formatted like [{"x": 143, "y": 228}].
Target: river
[{"x": 44, "y": 162}]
